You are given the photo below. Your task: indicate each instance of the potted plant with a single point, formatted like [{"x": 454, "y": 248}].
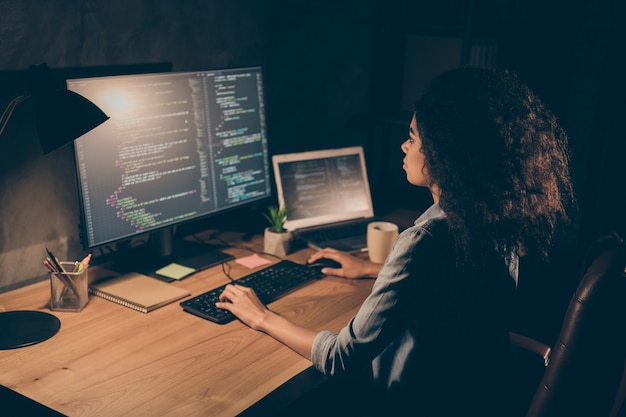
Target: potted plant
[{"x": 277, "y": 240}]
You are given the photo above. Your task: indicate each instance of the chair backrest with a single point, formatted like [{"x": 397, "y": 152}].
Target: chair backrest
[{"x": 587, "y": 361}]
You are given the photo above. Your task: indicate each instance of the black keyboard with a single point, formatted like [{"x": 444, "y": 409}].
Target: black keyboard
[{"x": 269, "y": 284}]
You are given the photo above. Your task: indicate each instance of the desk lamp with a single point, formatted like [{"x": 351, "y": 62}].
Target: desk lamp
[{"x": 61, "y": 117}]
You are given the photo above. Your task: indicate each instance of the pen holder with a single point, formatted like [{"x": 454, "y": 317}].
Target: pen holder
[{"x": 69, "y": 290}]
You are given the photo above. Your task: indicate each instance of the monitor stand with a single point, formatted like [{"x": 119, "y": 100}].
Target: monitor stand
[{"x": 164, "y": 249}]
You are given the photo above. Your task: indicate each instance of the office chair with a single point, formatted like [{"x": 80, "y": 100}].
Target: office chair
[{"x": 584, "y": 369}]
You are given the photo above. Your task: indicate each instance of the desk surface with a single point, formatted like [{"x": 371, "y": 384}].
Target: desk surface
[{"x": 114, "y": 361}]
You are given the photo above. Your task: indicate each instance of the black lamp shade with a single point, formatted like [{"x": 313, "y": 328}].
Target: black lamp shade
[{"x": 62, "y": 115}]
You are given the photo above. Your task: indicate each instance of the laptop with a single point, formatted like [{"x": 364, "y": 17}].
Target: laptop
[{"x": 327, "y": 197}]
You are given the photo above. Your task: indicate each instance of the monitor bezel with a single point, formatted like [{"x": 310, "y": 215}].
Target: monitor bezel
[{"x": 162, "y": 232}]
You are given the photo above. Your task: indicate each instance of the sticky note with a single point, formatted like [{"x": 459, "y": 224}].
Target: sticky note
[
  {"x": 252, "y": 261},
  {"x": 175, "y": 271}
]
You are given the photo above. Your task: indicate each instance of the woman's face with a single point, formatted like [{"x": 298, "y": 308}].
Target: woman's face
[{"x": 413, "y": 162}]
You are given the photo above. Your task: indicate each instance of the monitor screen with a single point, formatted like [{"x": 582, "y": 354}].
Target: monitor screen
[{"x": 178, "y": 146}]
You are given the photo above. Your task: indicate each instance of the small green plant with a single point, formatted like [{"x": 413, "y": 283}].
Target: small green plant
[{"x": 276, "y": 218}]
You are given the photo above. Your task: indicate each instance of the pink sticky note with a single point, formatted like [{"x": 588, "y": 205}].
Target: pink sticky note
[{"x": 252, "y": 261}]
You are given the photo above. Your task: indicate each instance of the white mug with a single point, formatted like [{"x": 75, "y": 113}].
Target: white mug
[{"x": 380, "y": 239}]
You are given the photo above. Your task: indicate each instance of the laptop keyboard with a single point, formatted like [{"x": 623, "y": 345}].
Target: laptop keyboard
[
  {"x": 336, "y": 233},
  {"x": 269, "y": 283}
]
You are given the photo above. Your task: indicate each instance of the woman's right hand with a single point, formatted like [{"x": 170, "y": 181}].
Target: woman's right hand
[{"x": 351, "y": 266}]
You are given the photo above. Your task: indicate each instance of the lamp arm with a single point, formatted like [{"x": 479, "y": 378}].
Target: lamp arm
[{"x": 6, "y": 114}]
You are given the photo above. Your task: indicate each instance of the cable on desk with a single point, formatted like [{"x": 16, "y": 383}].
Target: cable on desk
[
  {"x": 216, "y": 236},
  {"x": 213, "y": 236},
  {"x": 227, "y": 273}
]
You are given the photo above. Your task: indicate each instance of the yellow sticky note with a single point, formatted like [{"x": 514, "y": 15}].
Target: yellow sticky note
[{"x": 175, "y": 271}]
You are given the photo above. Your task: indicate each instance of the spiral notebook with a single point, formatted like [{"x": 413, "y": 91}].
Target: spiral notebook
[{"x": 137, "y": 291}]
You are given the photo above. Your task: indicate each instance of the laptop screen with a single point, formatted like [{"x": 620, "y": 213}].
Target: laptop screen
[{"x": 322, "y": 187}]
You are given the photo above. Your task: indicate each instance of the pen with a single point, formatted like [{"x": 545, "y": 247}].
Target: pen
[
  {"x": 58, "y": 269},
  {"x": 49, "y": 265},
  {"x": 67, "y": 281},
  {"x": 55, "y": 261}
]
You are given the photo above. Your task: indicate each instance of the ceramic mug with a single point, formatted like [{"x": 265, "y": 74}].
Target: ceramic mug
[{"x": 380, "y": 239}]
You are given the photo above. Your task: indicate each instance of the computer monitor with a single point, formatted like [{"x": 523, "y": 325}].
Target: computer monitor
[{"x": 179, "y": 146}]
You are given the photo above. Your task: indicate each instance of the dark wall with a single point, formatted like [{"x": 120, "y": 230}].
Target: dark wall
[
  {"x": 571, "y": 53},
  {"x": 315, "y": 55},
  {"x": 333, "y": 72}
]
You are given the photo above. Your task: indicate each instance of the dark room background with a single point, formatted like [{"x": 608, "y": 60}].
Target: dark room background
[{"x": 336, "y": 73}]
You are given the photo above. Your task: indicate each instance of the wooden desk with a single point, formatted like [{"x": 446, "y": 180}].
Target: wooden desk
[{"x": 109, "y": 360}]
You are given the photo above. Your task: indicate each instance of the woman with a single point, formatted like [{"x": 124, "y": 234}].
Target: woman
[{"x": 432, "y": 337}]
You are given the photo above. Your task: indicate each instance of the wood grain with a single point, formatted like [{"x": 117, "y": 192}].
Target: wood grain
[{"x": 114, "y": 361}]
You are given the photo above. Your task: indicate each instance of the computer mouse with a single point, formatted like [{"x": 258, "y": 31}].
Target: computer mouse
[{"x": 324, "y": 263}]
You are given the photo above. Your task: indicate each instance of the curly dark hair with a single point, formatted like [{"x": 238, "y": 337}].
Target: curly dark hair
[{"x": 500, "y": 158}]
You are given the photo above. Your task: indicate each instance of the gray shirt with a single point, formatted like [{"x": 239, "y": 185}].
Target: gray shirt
[{"x": 419, "y": 308}]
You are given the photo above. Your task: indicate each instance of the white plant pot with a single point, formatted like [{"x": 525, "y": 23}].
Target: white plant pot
[{"x": 278, "y": 244}]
